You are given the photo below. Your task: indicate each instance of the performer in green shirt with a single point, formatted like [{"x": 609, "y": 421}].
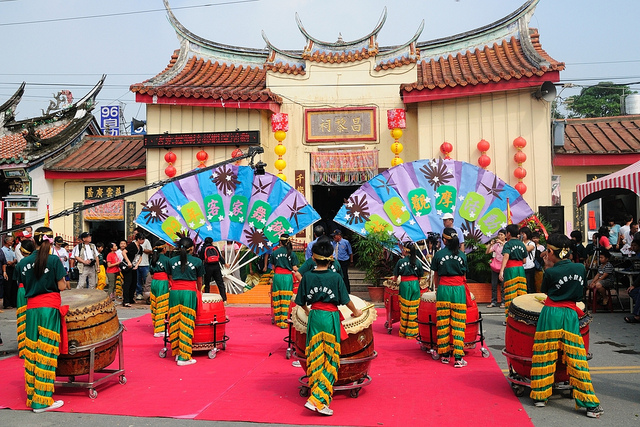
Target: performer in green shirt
[
  {"x": 159, "y": 267},
  {"x": 558, "y": 329},
  {"x": 410, "y": 270},
  {"x": 450, "y": 267},
  {"x": 26, "y": 248},
  {"x": 512, "y": 273},
  {"x": 284, "y": 263},
  {"x": 43, "y": 276},
  {"x": 323, "y": 290},
  {"x": 185, "y": 278},
  {"x": 310, "y": 264}
]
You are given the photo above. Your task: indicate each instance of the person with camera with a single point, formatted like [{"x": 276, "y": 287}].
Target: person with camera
[
  {"x": 86, "y": 256},
  {"x": 132, "y": 255},
  {"x": 495, "y": 248}
]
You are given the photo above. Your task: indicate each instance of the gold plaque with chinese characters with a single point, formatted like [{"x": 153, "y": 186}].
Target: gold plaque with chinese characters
[{"x": 343, "y": 125}]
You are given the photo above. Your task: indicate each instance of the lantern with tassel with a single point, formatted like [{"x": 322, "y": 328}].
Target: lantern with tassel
[
  {"x": 202, "y": 157},
  {"x": 170, "y": 158},
  {"x": 484, "y": 160},
  {"x": 446, "y": 148},
  {"x": 396, "y": 121},
  {"x": 280, "y": 127},
  {"x": 520, "y": 157}
]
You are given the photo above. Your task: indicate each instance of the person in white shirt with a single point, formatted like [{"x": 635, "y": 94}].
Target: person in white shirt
[
  {"x": 59, "y": 251},
  {"x": 143, "y": 267},
  {"x": 86, "y": 256}
]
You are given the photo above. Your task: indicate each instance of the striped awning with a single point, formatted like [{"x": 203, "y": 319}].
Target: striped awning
[{"x": 624, "y": 181}]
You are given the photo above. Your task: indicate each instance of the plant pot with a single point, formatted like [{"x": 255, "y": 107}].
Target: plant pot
[{"x": 376, "y": 293}]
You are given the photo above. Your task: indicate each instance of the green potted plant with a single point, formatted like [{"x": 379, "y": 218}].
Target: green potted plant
[{"x": 376, "y": 259}]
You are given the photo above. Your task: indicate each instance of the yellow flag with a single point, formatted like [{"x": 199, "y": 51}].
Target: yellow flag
[{"x": 46, "y": 217}]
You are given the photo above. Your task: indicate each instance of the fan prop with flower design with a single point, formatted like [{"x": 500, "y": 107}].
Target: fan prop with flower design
[
  {"x": 408, "y": 201},
  {"x": 228, "y": 203}
]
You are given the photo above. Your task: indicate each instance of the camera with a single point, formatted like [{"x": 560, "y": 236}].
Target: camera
[{"x": 92, "y": 262}]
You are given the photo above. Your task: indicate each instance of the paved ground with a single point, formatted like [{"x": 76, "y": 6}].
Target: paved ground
[{"x": 615, "y": 369}]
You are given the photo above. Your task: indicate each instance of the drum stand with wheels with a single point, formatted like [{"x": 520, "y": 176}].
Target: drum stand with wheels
[
  {"x": 431, "y": 345},
  {"x": 212, "y": 347},
  {"x": 92, "y": 381},
  {"x": 353, "y": 387},
  {"x": 290, "y": 342}
]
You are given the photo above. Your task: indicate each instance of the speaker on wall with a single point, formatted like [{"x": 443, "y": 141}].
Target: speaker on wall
[{"x": 554, "y": 215}]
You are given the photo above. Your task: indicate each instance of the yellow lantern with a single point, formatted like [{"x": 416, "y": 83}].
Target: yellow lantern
[
  {"x": 396, "y": 161},
  {"x": 280, "y": 150},
  {"x": 396, "y": 133},
  {"x": 396, "y": 148},
  {"x": 282, "y": 176},
  {"x": 280, "y": 164},
  {"x": 280, "y": 135}
]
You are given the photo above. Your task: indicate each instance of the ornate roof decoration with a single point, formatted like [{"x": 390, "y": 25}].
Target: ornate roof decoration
[
  {"x": 397, "y": 56},
  {"x": 504, "y": 50},
  {"x": 102, "y": 153},
  {"x": 8, "y": 109},
  {"x": 32, "y": 140}
]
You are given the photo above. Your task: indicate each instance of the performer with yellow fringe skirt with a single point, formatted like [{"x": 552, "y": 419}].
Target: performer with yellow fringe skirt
[
  {"x": 450, "y": 267},
  {"x": 284, "y": 262},
  {"x": 323, "y": 290},
  {"x": 159, "y": 266},
  {"x": 514, "y": 252},
  {"x": 410, "y": 270},
  {"x": 558, "y": 329},
  {"x": 185, "y": 280},
  {"x": 26, "y": 248},
  {"x": 43, "y": 276}
]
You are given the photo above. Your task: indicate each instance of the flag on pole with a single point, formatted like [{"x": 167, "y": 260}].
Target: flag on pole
[
  {"x": 46, "y": 217},
  {"x": 509, "y": 219}
]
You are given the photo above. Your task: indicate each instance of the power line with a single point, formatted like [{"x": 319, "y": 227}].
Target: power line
[{"x": 110, "y": 15}]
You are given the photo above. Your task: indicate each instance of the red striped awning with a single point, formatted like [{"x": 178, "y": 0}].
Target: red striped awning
[{"x": 624, "y": 181}]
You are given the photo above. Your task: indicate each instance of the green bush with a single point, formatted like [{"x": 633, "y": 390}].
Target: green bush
[
  {"x": 478, "y": 269},
  {"x": 375, "y": 256}
]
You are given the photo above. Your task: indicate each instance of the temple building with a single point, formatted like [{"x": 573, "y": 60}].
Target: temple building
[
  {"x": 26, "y": 145},
  {"x": 340, "y": 98}
]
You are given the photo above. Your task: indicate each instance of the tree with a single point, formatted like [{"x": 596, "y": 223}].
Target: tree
[{"x": 601, "y": 100}]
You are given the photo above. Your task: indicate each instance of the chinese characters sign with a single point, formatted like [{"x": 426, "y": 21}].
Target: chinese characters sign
[
  {"x": 300, "y": 185},
  {"x": 110, "y": 211},
  {"x": 251, "y": 137},
  {"x": 110, "y": 120},
  {"x": 100, "y": 192},
  {"x": 356, "y": 124}
]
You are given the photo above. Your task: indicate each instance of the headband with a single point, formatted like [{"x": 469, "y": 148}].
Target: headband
[
  {"x": 46, "y": 233},
  {"x": 322, "y": 258},
  {"x": 24, "y": 251},
  {"x": 562, "y": 252},
  {"x": 447, "y": 237}
]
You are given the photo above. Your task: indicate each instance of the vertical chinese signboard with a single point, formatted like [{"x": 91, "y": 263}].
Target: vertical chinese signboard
[
  {"x": 110, "y": 120},
  {"x": 300, "y": 184}
]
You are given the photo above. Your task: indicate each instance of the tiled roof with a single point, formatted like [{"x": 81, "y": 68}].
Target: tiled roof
[
  {"x": 286, "y": 68},
  {"x": 495, "y": 63},
  {"x": 200, "y": 78},
  {"x": 601, "y": 135},
  {"x": 103, "y": 153},
  {"x": 337, "y": 57},
  {"x": 13, "y": 144}
]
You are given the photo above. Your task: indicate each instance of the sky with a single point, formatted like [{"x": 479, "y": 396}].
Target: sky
[{"x": 56, "y": 45}]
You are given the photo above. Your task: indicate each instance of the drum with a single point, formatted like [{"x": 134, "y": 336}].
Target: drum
[
  {"x": 212, "y": 309},
  {"x": 92, "y": 319},
  {"x": 357, "y": 350},
  {"x": 391, "y": 295},
  {"x": 428, "y": 333},
  {"x": 521, "y": 328}
]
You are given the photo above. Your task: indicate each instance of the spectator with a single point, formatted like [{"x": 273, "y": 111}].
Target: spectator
[
  {"x": 628, "y": 238},
  {"x": 447, "y": 222},
  {"x": 9, "y": 285},
  {"x": 112, "y": 270},
  {"x": 604, "y": 278},
  {"x": 529, "y": 262},
  {"x": 495, "y": 248},
  {"x": 578, "y": 251},
  {"x": 634, "y": 289},
  {"x": 614, "y": 234},
  {"x": 603, "y": 239},
  {"x": 343, "y": 253},
  {"x": 213, "y": 260},
  {"x": 143, "y": 267},
  {"x": 86, "y": 256},
  {"x": 59, "y": 251},
  {"x": 318, "y": 231}
]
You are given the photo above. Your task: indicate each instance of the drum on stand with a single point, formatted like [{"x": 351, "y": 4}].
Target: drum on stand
[
  {"x": 391, "y": 298},
  {"x": 427, "y": 322},
  {"x": 91, "y": 320},
  {"x": 357, "y": 351},
  {"x": 210, "y": 324},
  {"x": 522, "y": 321}
]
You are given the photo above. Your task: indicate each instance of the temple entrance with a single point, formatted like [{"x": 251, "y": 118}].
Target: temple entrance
[{"x": 327, "y": 201}]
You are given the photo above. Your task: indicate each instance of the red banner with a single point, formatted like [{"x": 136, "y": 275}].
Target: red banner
[
  {"x": 343, "y": 167},
  {"x": 110, "y": 211}
]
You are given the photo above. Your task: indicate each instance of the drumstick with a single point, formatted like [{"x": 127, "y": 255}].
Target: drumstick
[{"x": 367, "y": 307}]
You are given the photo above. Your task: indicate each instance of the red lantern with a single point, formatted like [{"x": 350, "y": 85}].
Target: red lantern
[
  {"x": 446, "y": 148},
  {"x": 483, "y": 146},
  {"x": 170, "y": 171},
  {"x": 202, "y": 156},
  {"x": 484, "y": 161},
  {"x": 170, "y": 157},
  {"x": 521, "y": 188},
  {"x": 520, "y": 172},
  {"x": 519, "y": 142},
  {"x": 520, "y": 157}
]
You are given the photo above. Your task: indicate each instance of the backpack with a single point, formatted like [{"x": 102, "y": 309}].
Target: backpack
[{"x": 211, "y": 255}]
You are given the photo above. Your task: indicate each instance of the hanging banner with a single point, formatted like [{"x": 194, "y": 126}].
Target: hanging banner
[
  {"x": 110, "y": 211},
  {"x": 343, "y": 167}
]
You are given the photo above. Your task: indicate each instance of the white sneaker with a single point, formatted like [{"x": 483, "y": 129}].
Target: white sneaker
[
  {"x": 310, "y": 406},
  {"x": 540, "y": 403},
  {"x": 139, "y": 297},
  {"x": 460, "y": 363},
  {"x": 57, "y": 404},
  {"x": 186, "y": 362},
  {"x": 296, "y": 364},
  {"x": 325, "y": 410},
  {"x": 158, "y": 335}
]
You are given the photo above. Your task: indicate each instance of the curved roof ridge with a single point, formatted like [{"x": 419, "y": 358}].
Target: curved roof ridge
[
  {"x": 342, "y": 45},
  {"x": 497, "y": 30},
  {"x": 250, "y": 55},
  {"x": 401, "y": 54},
  {"x": 8, "y": 109}
]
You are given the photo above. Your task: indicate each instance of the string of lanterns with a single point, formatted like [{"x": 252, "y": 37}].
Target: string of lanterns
[
  {"x": 202, "y": 157},
  {"x": 280, "y": 127},
  {"x": 446, "y": 148},
  {"x": 520, "y": 157},
  {"x": 396, "y": 121},
  {"x": 484, "y": 160},
  {"x": 170, "y": 157}
]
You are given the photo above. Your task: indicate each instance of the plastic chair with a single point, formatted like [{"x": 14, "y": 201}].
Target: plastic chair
[{"x": 593, "y": 300}]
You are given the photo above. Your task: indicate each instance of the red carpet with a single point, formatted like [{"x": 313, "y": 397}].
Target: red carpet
[{"x": 253, "y": 381}]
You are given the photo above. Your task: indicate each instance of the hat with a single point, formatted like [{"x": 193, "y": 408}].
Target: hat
[
  {"x": 85, "y": 235},
  {"x": 26, "y": 234},
  {"x": 18, "y": 234},
  {"x": 58, "y": 239},
  {"x": 336, "y": 233},
  {"x": 64, "y": 244},
  {"x": 447, "y": 216}
]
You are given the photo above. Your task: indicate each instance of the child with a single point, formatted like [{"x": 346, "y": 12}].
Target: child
[
  {"x": 323, "y": 290},
  {"x": 512, "y": 271}
]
